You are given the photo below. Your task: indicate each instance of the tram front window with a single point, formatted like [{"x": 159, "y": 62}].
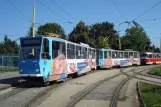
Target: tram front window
[
  {"x": 26, "y": 53},
  {"x": 144, "y": 56},
  {"x": 30, "y": 49}
]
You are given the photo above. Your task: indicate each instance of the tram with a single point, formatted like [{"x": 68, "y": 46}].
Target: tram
[
  {"x": 107, "y": 58},
  {"x": 150, "y": 58},
  {"x": 50, "y": 58}
]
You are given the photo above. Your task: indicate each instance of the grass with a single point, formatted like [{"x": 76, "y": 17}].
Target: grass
[
  {"x": 8, "y": 69},
  {"x": 155, "y": 71},
  {"x": 151, "y": 94}
]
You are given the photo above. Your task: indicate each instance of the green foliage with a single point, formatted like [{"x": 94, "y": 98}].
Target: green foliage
[
  {"x": 51, "y": 28},
  {"x": 79, "y": 33},
  {"x": 8, "y": 46},
  {"x": 155, "y": 71},
  {"x": 99, "y": 35},
  {"x": 29, "y": 34},
  {"x": 151, "y": 94},
  {"x": 102, "y": 30},
  {"x": 102, "y": 42},
  {"x": 135, "y": 38}
]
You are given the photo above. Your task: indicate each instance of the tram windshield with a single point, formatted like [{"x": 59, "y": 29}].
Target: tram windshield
[
  {"x": 30, "y": 49},
  {"x": 146, "y": 56}
]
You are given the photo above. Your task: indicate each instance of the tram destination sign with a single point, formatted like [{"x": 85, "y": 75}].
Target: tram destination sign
[{"x": 31, "y": 42}]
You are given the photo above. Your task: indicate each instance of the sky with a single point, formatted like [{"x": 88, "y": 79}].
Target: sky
[{"x": 16, "y": 15}]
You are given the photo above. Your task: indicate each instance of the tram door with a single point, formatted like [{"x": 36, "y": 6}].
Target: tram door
[
  {"x": 45, "y": 59},
  {"x": 59, "y": 60}
]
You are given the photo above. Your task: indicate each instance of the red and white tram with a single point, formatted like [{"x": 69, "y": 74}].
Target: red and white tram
[{"x": 150, "y": 58}]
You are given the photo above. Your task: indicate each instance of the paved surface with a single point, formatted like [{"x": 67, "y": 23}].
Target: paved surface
[
  {"x": 130, "y": 95},
  {"x": 8, "y": 78},
  {"x": 21, "y": 98},
  {"x": 66, "y": 93},
  {"x": 102, "y": 94}
]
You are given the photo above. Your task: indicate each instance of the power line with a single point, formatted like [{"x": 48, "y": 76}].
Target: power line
[
  {"x": 118, "y": 9},
  {"x": 47, "y": 7},
  {"x": 148, "y": 10},
  {"x": 64, "y": 10},
  {"x": 154, "y": 19},
  {"x": 18, "y": 10}
]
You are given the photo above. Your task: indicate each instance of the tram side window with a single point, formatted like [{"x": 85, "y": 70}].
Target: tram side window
[
  {"x": 97, "y": 54},
  {"x": 135, "y": 54},
  {"x": 93, "y": 54},
  {"x": 89, "y": 52},
  {"x": 58, "y": 48},
  {"x": 105, "y": 54},
  {"x": 84, "y": 53},
  {"x": 150, "y": 55},
  {"x": 121, "y": 54},
  {"x": 78, "y": 52},
  {"x": 118, "y": 54},
  {"x": 101, "y": 55},
  {"x": 70, "y": 51},
  {"x": 45, "y": 49},
  {"x": 131, "y": 55},
  {"x": 126, "y": 55},
  {"x": 114, "y": 54},
  {"x": 108, "y": 54}
]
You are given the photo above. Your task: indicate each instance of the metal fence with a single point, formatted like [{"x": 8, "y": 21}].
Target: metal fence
[{"x": 9, "y": 62}]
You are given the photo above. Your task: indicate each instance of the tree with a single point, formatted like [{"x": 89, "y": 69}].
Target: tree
[
  {"x": 102, "y": 42},
  {"x": 79, "y": 33},
  {"x": 135, "y": 38},
  {"x": 102, "y": 30},
  {"x": 29, "y": 34},
  {"x": 8, "y": 46},
  {"x": 51, "y": 28}
]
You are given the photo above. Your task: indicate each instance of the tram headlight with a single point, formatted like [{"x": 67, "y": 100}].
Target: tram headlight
[{"x": 37, "y": 70}]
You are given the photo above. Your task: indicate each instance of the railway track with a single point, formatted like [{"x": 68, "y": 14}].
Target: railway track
[
  {"x": 113, "y": 102},
  {"x": 33, "y": 95}
]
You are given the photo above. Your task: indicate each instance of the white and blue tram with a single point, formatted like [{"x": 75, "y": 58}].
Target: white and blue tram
[
  {"x": 107, "y": 58},
  {"x": 49, "y": 59}
]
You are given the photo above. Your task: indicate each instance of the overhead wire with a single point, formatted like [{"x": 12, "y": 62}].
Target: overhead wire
[
  {"x": 147, "y": 10},
  {"x": 18, "y": 10},
  {"x": 64, "y": 11},
  {"x": 47, "y": 7},
  {"x": 118, "y": 9},
  {"x": 154, "y": 19}
]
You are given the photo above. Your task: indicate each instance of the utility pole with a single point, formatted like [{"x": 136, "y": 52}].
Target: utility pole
[
  {"x": 33, "y": 26},
  {"x": 119, "y": 33},
  {"x": 160, "y": 45},
  {"x": 33, "y": 21}
]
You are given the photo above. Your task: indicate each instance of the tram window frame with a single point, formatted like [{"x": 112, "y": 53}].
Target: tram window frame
[
  {"x": 108, "y": 54},
  {"x": 58, "y": 48},
  {"x": 121, "y": 55},
  {"x": 93, "y": 54},
  {"x": 105, "y": 54},
  {"x": 114, "y": 54},
  {"x": 101, "y": 54},
  {"x": 132, "y": 54},
  {"x": 78, "y": 52},
  {"x": 126, "y": 55},
  {"x": 71, "y": 51},
  {"x": 135, "y": 54},
  {"x": 118, "y": 54},
  {"x": 97, "y": 53},
  {"x": 45, "y": 49},
  {"x": 151, "y": 55},
  {"x": 83, "y": 52}
]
